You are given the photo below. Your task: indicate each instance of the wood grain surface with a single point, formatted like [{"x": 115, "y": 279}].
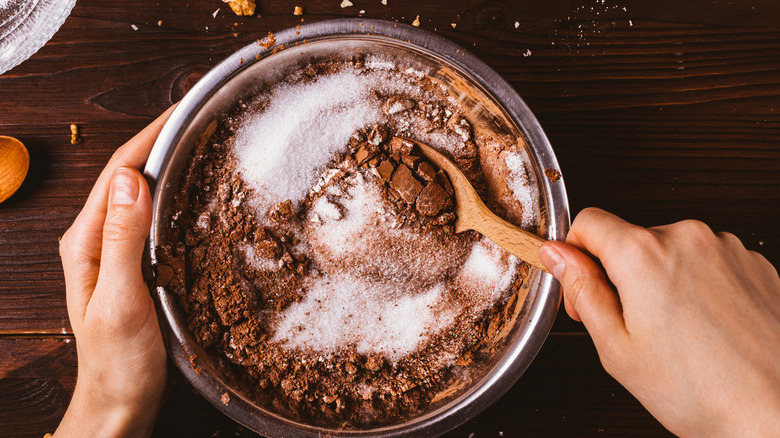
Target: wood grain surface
[{"x": 658, "y": 111}]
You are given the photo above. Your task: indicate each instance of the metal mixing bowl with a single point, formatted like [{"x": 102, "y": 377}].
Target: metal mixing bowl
[{"x": 489, "y": 102}]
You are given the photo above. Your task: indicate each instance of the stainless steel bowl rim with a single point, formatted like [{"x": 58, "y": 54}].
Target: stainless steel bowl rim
[{"x": 509, "y": 369}]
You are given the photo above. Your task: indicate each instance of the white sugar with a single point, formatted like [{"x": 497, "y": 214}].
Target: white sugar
[
  {"x": 379, "y": 287},
  {"x": 352, "y": 311},
  {"x": 282, "y": 150},
  {"x": 490, "y": 269},
  {"x": 376, "y": 285},
  {"x": 362, "y": 210},
  {"x": 326, "y": 210},
  {"x": 522, "y": 183}
]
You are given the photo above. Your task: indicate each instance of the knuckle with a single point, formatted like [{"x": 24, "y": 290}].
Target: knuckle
[
  {"x": 695, "y": 231},
  {"x": 642, "y": 244},
  {"x": 731, "y": 240},
  {"x": 587, "y": 214},
  {"x": 118, "y": 231},
  {"x": 575, "y": 287},
  {"x": 762, "y": 263}
]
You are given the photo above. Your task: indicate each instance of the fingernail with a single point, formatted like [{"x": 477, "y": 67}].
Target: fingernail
[
  {"x": 124, "y": 187},
  {"x": 552, "y": 260}
]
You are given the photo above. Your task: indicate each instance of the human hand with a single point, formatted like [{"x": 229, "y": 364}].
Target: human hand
[
  {"x": 122, "y": 365},
  {"x": 691, "y": 327}
]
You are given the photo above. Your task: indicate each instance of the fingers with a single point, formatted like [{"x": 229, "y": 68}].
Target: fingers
[
  {"x": 80, "y": 246},
  {"x": 600, "y": 233},
  {"x": 588, "y": 295},
  {"x": 132, "y": 154},
  {"x": 126, "y": 227}
]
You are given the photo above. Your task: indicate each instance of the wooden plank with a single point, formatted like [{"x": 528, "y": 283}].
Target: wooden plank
[
  {"x": 37, "y": 377},
  {"x": 565, "y": 392}
]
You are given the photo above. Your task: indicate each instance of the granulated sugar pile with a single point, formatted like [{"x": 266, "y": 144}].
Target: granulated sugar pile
[
  {"x": 376, "y": 285},
  {"x": 282, "y": 150}
]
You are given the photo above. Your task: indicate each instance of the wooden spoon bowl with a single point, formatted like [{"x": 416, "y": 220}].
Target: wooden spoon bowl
[
  {"x": 473, "y": 214},
  {"x": 14, "y": 164}
]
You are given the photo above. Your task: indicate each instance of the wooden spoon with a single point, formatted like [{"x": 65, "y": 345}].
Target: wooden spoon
[
  {"x": 474, "y": 215},
  {"x": 14, "y": 163}
]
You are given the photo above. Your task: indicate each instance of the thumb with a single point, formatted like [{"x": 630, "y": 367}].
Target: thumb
[
  {"x": 588, "y": 297},
  {"x": 126, "y": 228}
]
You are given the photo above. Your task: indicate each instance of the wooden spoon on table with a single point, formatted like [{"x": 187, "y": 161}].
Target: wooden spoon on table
[
  {"x": 473, "y": 214},
  {"x": 14, "y": 163}
]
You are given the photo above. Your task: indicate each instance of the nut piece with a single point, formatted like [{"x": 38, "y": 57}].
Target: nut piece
[
  {"x": 298, "y": 11},
  {"x": 241, "y": 7},
  {"x": 225, "y": 398},
  {"x": 74, "y": 134},
  {"x": 406, "y": 184},
  {"x": 432, "y": 200}
]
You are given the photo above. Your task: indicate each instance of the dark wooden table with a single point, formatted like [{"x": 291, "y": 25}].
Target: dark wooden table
[{"x": 657, "y": 110}]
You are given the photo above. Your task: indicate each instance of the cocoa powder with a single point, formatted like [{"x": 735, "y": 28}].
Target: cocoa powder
[{"x": 236, "y": 273}]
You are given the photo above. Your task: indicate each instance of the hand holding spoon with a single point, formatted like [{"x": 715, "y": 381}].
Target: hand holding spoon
[
  {"x": 473, "y": 214},
  {"x": 14, "y": 163}
]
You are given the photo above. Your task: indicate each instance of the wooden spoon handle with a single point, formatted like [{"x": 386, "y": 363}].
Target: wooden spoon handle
[{"x": 517, "y": 241}]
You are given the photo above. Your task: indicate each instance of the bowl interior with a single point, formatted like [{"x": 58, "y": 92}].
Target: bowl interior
[{"x": 536, "y": 302}]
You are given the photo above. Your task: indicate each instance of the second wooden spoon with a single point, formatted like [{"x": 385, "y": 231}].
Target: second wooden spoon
[{"x": 473, "y": 214}]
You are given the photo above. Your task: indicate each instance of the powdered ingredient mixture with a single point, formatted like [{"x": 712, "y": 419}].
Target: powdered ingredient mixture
[{"x": 314, "y": 250}]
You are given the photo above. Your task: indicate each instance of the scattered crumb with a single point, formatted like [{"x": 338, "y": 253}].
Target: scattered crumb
[
  {"x": 416, "y": 22},
  {"x": 453, "y": 25},
  {"x": 214, "y": 14},
  {"x": 74, "y": 134},
  {"x": 298, "y": 11},
  {"x": 193, "y": 365},
  {"x": 267, "y": 42},
  {"x": 517, "y": 24},
  {"x": 552, "y": 174},
  {"x": 760, "y": 243},
  {"x": 346, "y": 4},
  {"x": 630, "y": 23},
  {"x": 159, "y": 23},
  {"x": 225, "y": 398},
  {"x": 527, "y": 52},
  {"x": 241, "y": 7},
  {"x": 362, "y": 11},
  {"x": 134, "y": 26},
  {"x": 471, "y": 435},
  {"x": 384, "y": 2}
]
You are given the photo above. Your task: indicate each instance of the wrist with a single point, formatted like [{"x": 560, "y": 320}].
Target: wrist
[{"x": 93, "y": 413}]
